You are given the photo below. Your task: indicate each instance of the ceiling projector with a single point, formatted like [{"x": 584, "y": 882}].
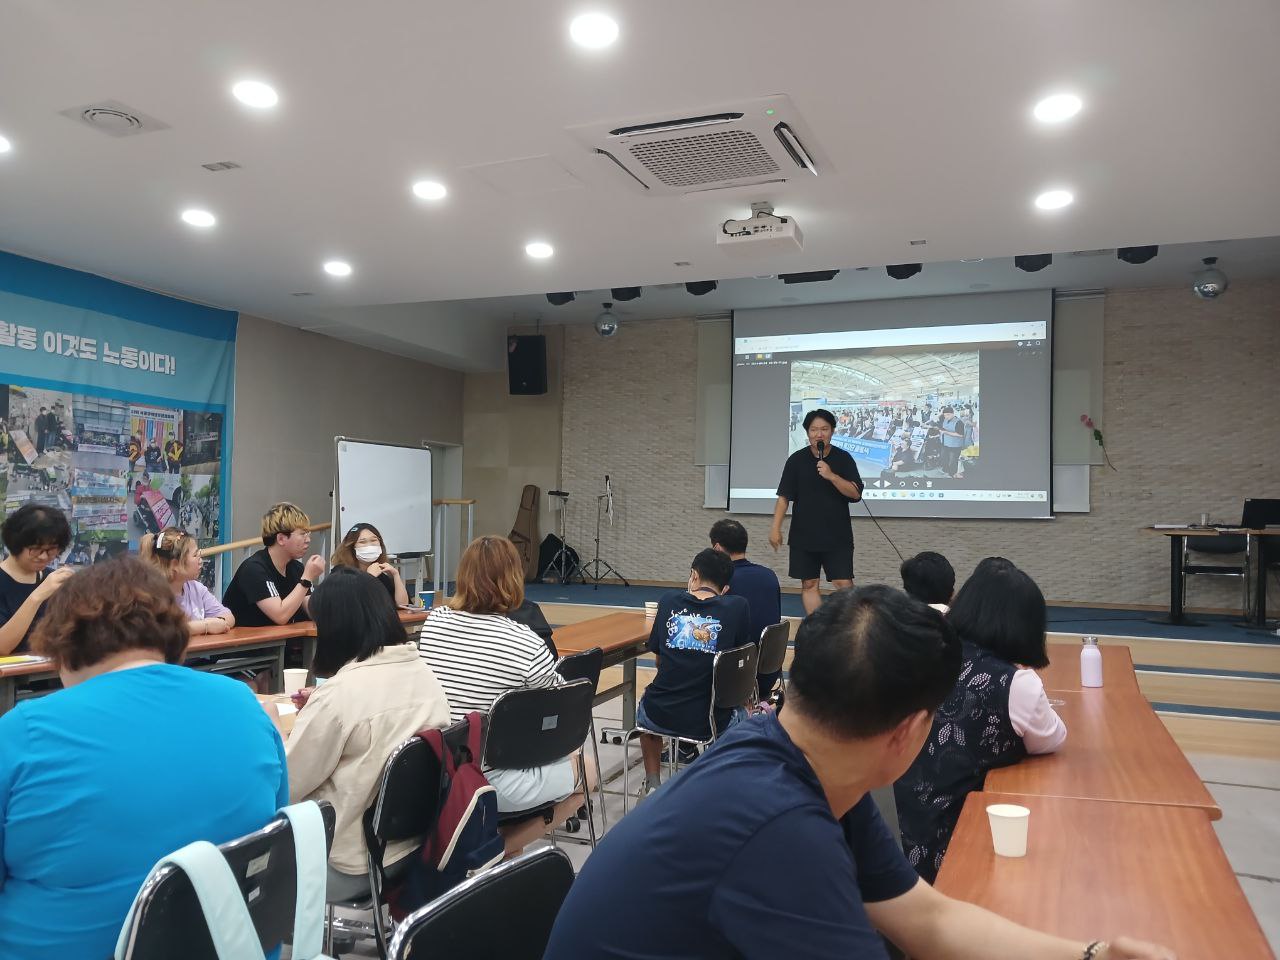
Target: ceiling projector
[{"x": 760, "y": 233}]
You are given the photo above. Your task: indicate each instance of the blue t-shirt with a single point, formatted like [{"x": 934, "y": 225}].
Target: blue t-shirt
[
  {"x": 738, "y": 856},
  {"x": 759, "y": 587},
  {"x": 101, "y": 780},
  {"x": 687, "y": 634}
]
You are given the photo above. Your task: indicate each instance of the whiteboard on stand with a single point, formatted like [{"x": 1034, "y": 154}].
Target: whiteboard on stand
[{"x": 387, "y": 485}]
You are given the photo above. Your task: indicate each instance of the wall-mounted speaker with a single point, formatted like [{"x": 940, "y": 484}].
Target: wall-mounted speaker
[{"x": 526, "y": 365}]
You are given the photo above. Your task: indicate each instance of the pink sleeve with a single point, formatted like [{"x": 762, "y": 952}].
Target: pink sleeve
[{"x": 1041, "y": 729}]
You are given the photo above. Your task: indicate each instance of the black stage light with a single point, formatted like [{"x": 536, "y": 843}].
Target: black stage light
[
  {"x": 1032, "y": 262},
  {"x": 700, "y": 288},
  {"x": 902, "y": 271},
  {"x": 626, "y": 293},
  {"x": 812, "y": 276},
  {"x": 560, "y": 299},
  {"x": 1137, "y": 254}
]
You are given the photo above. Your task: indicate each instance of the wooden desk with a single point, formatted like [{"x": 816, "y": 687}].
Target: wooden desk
[
  {"x": 1116, "y": 749},
  {"x": 1100, "y": 870},
  {"x": 622, "y": 637},
  {"x": 1063, "y": 671},
  {"x": 270, "y": 641}
]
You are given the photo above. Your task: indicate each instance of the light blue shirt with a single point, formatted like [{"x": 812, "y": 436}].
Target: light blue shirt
[{"x": 99, "y": 781}]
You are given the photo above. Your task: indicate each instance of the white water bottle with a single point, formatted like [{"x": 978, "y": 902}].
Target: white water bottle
[{"x": 1090, "y": 663}]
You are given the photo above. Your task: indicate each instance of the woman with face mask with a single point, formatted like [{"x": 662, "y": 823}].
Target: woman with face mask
[{"x": 363, "y": 549}]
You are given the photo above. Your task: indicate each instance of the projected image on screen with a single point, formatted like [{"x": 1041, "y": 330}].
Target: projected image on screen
[
  {"x": 899, "y": 415},
  {"x": 943, "y": 402}
]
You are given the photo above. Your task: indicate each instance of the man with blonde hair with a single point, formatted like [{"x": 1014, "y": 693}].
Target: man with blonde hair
[{"x": 272, "y": 585}]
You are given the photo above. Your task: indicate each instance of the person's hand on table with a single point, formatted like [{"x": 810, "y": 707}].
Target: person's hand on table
[
  {"x": 301, "y": 696},
  {"x": 215, "y": 625},
  {"x": 1125, "y": 948},
  {"x": 50, "y": 584},
  {"x": 314, "y": 567}
]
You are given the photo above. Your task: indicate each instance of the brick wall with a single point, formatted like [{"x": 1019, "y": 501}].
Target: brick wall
[{"x": 1190, "y": 413}]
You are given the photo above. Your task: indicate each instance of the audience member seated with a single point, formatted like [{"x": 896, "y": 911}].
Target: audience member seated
[
  {"x": 756, "y": 584},
  {"x": 691, "y": 627},
  {"x": 479, "y": 653},
  {"x": 996, "y": 714},
  {"x": 771, "y": 845},
  {"x": 34, "y": 535},
  {"x": 174, "y": 553},
  {"x": 137, "y": 757},
  {"x": 530, "y": 614},
  {"x": 930, "y": 579},
  {"x": 364, "y": 549},
  {"x": 378, "y": 694},
  {"x": 272, "y": 586}
]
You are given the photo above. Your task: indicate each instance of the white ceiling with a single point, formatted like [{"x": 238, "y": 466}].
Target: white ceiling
[{"x": 922, "y": 108}]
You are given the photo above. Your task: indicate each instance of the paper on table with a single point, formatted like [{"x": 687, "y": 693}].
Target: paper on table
[
  {"x": 1170, "y": 526},
  {"x": 284, "y": 709}
]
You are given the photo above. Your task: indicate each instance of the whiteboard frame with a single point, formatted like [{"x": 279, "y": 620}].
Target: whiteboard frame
[{"x": 338, "y": 528}]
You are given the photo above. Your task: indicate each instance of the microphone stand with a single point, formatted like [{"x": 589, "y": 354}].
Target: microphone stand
[{"x": 592, "y": 569}]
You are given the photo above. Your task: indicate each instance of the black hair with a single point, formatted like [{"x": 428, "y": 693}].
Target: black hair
[
  {"x": 870, "y": 657},
  {"x": 35, "y": 525},
  {"x": 713, "y": 568},
  {"x": 730, "y": 534},
  {"x": 355, "y": 618},
  {"x": 928, "y": 577},
  {"x": 819, "y": 414},
  {"x": 1001, "y": 609}
]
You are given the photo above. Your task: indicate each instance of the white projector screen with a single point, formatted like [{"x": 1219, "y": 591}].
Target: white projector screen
[{"x": 887, "y": 369}]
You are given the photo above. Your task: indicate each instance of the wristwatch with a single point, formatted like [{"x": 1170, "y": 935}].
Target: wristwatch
[{"x": 306, "y": 583}]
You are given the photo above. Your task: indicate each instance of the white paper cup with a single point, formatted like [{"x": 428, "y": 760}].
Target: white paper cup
[
  {"x": 294, "y": 680},
  {"x": 1009, "y": 829},
  {"x": 651, "y": 609}
]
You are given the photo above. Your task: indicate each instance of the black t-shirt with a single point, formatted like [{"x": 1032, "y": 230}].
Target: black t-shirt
[
  {"x": 687, "y": 634},
  {"x": 531, "y": 615},
  {"x": 257, "y": 579},
  {"x": 819, "y": 512},
  {"x": 13, "y": 594}
]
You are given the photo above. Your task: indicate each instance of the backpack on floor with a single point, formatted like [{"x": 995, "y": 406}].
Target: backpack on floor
[{"x": 465, "y": 839}]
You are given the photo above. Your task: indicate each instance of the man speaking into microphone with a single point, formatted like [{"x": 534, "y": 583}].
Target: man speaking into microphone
[{"x": 820, "y": 481}]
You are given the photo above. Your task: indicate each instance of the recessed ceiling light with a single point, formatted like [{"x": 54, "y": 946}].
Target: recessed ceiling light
[
  {"x": 539, "y": 250},
  {"x": 255, "y": 93},
  {"x": 199, "y": 218},
  {"x": 593, "y": 30},
  {"x": 337, "y": 268},
  {"x": 5, "y": 145},
  {"x": 1059, "y": 107},
  {"x": 1054, "y": 199},
  {"x": 429, "y": 190}
]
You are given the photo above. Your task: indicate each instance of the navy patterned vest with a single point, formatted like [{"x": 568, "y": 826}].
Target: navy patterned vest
[{"x": 971, "y": 734}]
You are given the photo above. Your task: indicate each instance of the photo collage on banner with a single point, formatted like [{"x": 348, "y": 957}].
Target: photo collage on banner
[{"x": 113, "y": 408}]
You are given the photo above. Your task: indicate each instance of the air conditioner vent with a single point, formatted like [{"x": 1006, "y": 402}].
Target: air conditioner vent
[
  {"x": 695, "y": 161},
  {"x": 114, "y": 118}
]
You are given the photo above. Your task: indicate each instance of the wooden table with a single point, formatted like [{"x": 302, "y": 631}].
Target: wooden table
[
  {"x": 1099, "y": 870},
  {"x": 1177, "y": 543},
  {"x": 1063, "y": 671},
  {"x": 622, "y": 637},
  {"x": 1116, "y": 749},
  {"x": 269, "y": 641}
]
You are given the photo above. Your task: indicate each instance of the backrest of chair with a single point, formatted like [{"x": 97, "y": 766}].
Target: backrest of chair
[
  {"x": 582, "y": 666},
  {"x": 264, "y": 865},
  {"x": 773, "y": 647},
  {"x": 535, "y": 726},
  {"x": 505, "y": 913},
  {"x": 408, "y": 793},
  {"x": 733, "y": 679},
  {"x": 1260, "y": 513}
]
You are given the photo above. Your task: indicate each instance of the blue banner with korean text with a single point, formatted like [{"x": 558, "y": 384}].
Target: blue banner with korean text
[
  {"x": 115, "y": 405},
  {"x": 877, "y": 452}
]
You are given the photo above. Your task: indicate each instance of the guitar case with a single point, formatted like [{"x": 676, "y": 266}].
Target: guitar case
[{"x": 524, "y": 534}]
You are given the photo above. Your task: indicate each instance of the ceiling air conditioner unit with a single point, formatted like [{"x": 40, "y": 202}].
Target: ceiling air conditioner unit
[{"x": 745, "y": 144}]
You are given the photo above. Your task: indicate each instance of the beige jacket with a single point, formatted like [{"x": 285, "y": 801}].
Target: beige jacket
[{"x": 345, "y": 734}]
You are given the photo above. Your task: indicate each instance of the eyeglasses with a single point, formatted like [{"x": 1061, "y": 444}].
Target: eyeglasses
[{"x": 45, "y": 551}]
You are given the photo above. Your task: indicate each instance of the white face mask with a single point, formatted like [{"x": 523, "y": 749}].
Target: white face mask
[{"x": 368, "y": 554}]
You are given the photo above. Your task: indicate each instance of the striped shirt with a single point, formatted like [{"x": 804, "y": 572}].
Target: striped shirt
[{"x": 477, "y": 657}]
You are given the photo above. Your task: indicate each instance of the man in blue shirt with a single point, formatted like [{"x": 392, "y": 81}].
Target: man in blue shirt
[
  {"x": 756, "y": 584},
  {"x": 770, "y": 845},
  {"x": 691, "y": 627}
]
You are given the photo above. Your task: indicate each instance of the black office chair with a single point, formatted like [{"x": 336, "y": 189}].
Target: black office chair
[
  {"x": 535, "y": 726},
  {"x": 505, "y": 913},
  {"x": 733, "y": 685},
  {"x": 586, "y": 666},
  {"x": 774, "y": 640},
  {"x": 168, "y": 918},
  {"x": 1257, "y": 514}
]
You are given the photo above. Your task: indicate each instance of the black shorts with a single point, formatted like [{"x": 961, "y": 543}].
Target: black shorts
[{"x": 808, "y": 564}]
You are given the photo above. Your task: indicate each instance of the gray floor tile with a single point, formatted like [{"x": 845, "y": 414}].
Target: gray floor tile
[
  {"x": 1216, "y": 768},
  {"x": 1264, "y": 897}
]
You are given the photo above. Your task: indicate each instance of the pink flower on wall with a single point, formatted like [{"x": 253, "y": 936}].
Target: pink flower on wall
[{"x": 1097, "y": 437}]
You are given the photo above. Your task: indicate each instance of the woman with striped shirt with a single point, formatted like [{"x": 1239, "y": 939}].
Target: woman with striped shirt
[{"x": 478, "y": 653}]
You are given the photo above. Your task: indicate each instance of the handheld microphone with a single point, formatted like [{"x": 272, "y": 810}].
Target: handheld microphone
[{"x": 821, "y": 449}]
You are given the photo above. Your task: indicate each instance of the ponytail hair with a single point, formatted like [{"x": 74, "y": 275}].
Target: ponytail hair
[{"x": 166, "y": 549}]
